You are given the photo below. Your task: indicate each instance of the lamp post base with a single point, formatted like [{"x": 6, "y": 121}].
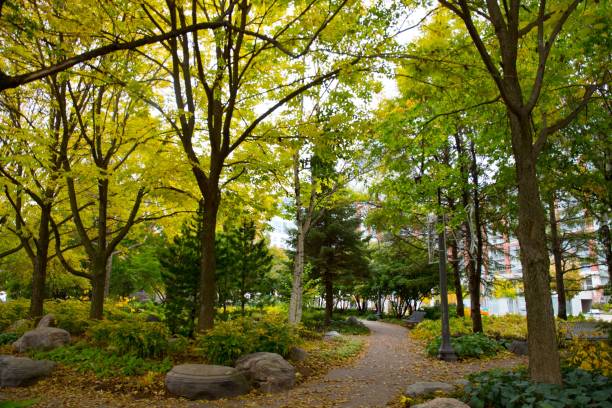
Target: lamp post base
[{"x": 447, "y": 354}]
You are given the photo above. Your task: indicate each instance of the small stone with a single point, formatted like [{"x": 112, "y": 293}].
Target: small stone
[
  {"x": 202, "y": 381},
  {"x": 425, "y": 388},
  {"x": 297, "y": 354},
  {"x": 330, "y": 335},
  {"x": 46, "y": 321},
  {"x": 442, "y": 403},
  {"x": 519, "y": 347},
  {"x": 44, "y": 338},
  {"x": 22, "y": 371},
  {"x": 269, "y": 372}
]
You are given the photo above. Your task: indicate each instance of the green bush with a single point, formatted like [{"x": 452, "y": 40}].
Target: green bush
[
  {"x": 8, "y": 338},
  {"x": 345, "y": 327},
  {"x": 229, "y": 340},
  {"x": 471, "y": 345},
  {"x": 143, "y": 339},
  {"x": 12, "y": 311},
  {"x": 71, "y": 315},
  {"x": 507, "y": 389},
  {"x": 372, "y": 317},
  {"x": 102, "y": 362}
]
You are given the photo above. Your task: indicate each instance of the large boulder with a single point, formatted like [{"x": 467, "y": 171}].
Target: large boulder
[
  {"x": 46, "y": 321},
  {"x": 269, "y": 372},
  {"x": 519, "y": 347},
  {"x": 297, "y": 354},
  {"x": 44, "y": 338},
  {"x": 428, "y": 387},
  {"x": 22, "y": 371},
  {"x": 202, "y": 381},
  {"x": 442, "y": 403}
]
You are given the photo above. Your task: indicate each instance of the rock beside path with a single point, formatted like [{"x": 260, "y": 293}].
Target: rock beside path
[
  {"x": 519, "y": 347},
  {"x": 202, "y": 381},
  {"x": 22, "y": 371},
  {"x": 428, "y": 387},
  {"x": 46, "y": 321},
  {"x": 353, "y": 321},
  {"x": 442, "y": 403},
  {"x": 297, "y": 354},
  {"x": 268, "y": 372},
  {"x": 330, "y": 335},
  {"x": 44, "y": 338}
]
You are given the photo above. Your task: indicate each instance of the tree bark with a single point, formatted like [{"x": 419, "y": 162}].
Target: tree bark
[
  {"x": 329, "y": 296},
  {"x": 544, "y": 364},
  {"x": 475, "y": 279},
  {"x": 457, "y": 278},
  {"x": 206, "y": 315},
  {"x": 558, "y": 258},
  {"x": 98, "y": 287},
  {"x": 295, "y": 304},
  {"x": 39, "y": 277}
]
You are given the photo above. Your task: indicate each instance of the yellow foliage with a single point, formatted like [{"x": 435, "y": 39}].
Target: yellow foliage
[{"x": 590, "y": 355}]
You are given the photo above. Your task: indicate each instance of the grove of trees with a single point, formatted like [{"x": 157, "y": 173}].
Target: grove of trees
[{"x": 147, "y": 145}]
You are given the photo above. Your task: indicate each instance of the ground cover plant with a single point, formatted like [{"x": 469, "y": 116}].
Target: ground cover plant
[{"x": 512, "y": 389}]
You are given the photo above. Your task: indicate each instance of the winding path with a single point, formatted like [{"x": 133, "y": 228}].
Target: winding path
[{"x": 392, "y": 361}]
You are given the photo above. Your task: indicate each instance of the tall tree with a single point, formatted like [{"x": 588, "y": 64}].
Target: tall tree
[{"x": 523, "y": 82}]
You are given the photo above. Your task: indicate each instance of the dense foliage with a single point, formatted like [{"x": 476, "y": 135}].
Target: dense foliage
[{"x": 513, "y": 390}]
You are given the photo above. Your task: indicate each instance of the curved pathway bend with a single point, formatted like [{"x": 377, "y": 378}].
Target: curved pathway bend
[{"x": 391, "y": 362}]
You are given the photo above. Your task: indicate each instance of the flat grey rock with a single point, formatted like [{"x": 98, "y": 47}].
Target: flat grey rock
[
  {"x": 46, "y": 321},
  {"x": 297, "y": 354},
  {"x": 22, "y": 371},
  {"x": 268, "y": 372},
  {"x": 425, "y": 388},
  {"x": 44, "y": 338},
  {"x": 202, "y": 381},
  {"x": 353, "y": 321},
  {"x": 330, "y": 335},
  {"x": 519, "y": 347},
  {"x": 442, "y": 403}
]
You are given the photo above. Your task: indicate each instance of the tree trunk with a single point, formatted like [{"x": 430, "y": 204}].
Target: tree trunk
[
  {"x": 476, "y": 277},
  {"x": 98, "y": 287},
  {"x": 39, "y": 276},
  {"x": 457, "y": 278},
  {"x": 109, "y": 270},
  {"x": 329, "y": 296},
  {"x": 206, "y": 315},
  {"x": 558, "y": 258},
  {"x": 544, "y": 364},
  {"x": 295, "y": 304}
]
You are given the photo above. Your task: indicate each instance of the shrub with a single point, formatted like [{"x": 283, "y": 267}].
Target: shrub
[
  {"x": 430, "y": 329},
  {"x": 8, "y": 338},
  {"x": 103, "y": 363},
  {"x": 71, "y": 315},
  {"x": 507, "y": 389},
  {"x": 472, "y": 345},
  {"x": 372, "y": 317},
  {"x": 505, "y": 327},
  {"x": 595, "y": 356},
  {"x": 12, "y": 311},
  {"x": 143, "y": 339},
  {"x": 229, "y": 340}
]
